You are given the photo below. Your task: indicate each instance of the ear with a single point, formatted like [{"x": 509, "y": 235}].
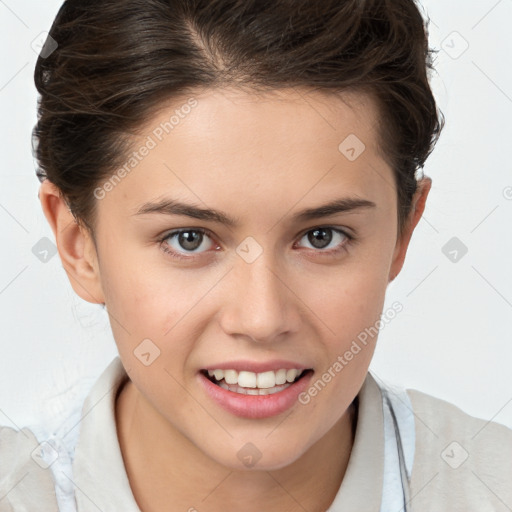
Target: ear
[
  {"x": 417, "y": 208},
  {"x": 76, "y": 247}
]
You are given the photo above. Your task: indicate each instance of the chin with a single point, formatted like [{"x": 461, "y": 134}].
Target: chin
[{"x": 258, "y": 455}]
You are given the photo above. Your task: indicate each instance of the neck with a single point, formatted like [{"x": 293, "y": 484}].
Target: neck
[{"x": 191, "y": 481}]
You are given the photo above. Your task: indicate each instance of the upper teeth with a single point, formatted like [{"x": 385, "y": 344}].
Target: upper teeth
[{"x": 256, "y": 380}]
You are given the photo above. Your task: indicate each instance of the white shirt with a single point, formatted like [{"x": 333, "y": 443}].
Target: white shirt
[{"x": 86, "y": 472}]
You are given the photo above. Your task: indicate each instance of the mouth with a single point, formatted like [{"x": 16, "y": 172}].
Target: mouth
[{"x": 256, "y": 384}]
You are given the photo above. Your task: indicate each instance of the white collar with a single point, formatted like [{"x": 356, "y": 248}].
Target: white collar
[{"x": 101, "y": 482}]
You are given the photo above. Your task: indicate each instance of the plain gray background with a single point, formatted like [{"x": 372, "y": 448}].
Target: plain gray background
[{"x": 452, "y": 339}]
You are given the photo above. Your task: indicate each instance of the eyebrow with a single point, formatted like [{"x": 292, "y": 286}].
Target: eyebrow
[{"x": 175, "y": 207}]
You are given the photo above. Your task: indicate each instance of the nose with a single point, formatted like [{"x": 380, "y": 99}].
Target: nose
[{"x": 260, "y": 305}]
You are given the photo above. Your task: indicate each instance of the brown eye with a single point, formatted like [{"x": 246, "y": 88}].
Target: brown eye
[
  {"x": 321, "y": 238},
  {"x": 184, "y": 241}
]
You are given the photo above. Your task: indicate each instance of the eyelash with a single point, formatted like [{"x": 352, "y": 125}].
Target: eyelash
[{"x": 177, "y": 255}]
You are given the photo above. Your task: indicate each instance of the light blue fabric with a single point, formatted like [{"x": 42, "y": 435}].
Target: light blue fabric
[
  {"x": 400, "y": 437},
  {"x": 62, "y": 435}
]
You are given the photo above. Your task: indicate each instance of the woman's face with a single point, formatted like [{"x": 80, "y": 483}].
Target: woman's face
[{"x": 278, "y": 289}]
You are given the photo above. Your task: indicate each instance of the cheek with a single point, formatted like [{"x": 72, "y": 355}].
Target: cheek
[
  {"x": 154, "y": 302},
  {"x": 145, "y": 293},
  {"x": 148, "y": 297},
  {"x": 351, "y": 307},
  {"x": 353, "y": 296}
]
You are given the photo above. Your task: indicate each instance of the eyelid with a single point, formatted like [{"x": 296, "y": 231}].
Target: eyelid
[
  {"x": 174, "y": 232},
  {"x": 335, "y": 250},
  {"x": 179, "y": 255},
  {"x": 342, "y": 230}
]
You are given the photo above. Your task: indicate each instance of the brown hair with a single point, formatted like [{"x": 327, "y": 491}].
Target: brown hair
[{"x": 117, "y": 61}]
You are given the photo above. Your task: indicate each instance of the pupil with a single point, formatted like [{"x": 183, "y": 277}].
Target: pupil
[
  {"x": 319, "y": 235},
  {"x": 186, "y": 240}
]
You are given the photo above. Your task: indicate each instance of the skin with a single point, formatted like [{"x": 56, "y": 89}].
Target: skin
[{"x": 279, "y": 156}]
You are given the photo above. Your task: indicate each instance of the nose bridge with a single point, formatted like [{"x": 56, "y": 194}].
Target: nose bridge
[{"x": 260, "y": 306}]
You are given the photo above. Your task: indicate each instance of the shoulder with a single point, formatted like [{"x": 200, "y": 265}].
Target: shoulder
[
  {"x": 459, "y": 459},
  {"x": 36, "y": 460},
  {"x": 26, "y": 481}
]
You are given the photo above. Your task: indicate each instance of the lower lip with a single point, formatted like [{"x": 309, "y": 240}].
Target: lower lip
[{"x": 256, "y": 406}]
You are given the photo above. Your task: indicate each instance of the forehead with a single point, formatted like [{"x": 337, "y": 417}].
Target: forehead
[
  {"x": 290, "y": 115},
  {"x": 246, "y": 148}
]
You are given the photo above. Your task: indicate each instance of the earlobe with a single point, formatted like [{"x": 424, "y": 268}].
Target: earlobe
[
  {"x": 417, "y": 208},
  {"x": 75, "y": 245}
]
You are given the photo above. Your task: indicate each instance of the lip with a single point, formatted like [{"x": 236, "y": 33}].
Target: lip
[
  {"x": 257, "y": 367},
  {"x": 255, "y": 406}
]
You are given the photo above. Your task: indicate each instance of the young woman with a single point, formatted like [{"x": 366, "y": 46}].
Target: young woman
[{"x": 236, "y": 182}]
